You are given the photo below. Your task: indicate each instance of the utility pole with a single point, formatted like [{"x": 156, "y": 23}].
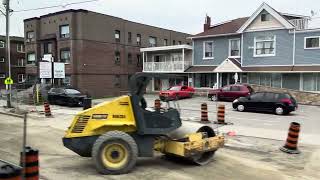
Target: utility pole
[{"x": 6, "y": 3}]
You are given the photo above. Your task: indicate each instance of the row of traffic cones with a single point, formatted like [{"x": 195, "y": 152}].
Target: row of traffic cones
[{"x": 220, "y": 114}]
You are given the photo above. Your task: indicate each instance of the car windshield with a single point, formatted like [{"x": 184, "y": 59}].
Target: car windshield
[
  {"x": 174, "y": 88},
  {"x": 72, "y": 91}
]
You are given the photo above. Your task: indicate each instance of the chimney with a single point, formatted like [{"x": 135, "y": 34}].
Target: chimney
[{"x": 207, "y": 23}]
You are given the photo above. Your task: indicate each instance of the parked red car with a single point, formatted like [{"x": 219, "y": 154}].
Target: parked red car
[
  {"x": 176, "y": 92},
  {"x": 230, "y": 92}
]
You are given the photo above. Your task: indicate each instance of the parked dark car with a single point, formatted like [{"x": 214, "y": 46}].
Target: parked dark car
[
  {"x": 278, "y": 103},
  {"x": 65, "y": 96},
  {"x": 230, "y": 92},
  {"x": 176, "y": 92}
]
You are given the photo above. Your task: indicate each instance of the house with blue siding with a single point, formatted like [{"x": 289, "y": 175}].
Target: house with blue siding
[{"x": 268, "y": 48}]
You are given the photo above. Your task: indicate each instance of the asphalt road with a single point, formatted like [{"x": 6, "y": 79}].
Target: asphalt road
[
  {"x": 244, "y": 123},
  {"x": 266, "y": 125},
  {"x": 243, "y": 157}
]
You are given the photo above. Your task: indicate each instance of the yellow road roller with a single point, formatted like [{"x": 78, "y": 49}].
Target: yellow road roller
[{"x": 116, "y": 133}]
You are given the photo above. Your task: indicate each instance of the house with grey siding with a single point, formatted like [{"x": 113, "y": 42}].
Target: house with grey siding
[{"x": 268, "y": 48}]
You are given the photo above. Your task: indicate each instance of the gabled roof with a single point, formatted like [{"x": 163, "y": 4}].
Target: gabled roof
[
  {"x": 226, "y": 28},
  {"x": 269, "y": 9},
  {"x": 229, "y": 65}
]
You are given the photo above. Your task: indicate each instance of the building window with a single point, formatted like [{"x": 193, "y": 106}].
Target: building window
[
  {"x": 21, "y": 62},
  {"x": 152, "y": 41},
  {"x": 2, "y": 60},
  {"x": 265, "y": 17},
  {"x": 309, "y": 81},
  {"x": 174, "y": 42},
  {"x": 244, "y": 78},
  {"x": 2, "y": 75},
  {"x": 129, "y": 58},
  {"x": 179, "y": 43},
  {"x": 208, "y": 50},
  {"x": 20, "y": 47},
  {"x": 117, "y": 81},
  {"x": 276, "y": 80},
  {"x": 138, "y": 39},
  {"x": 234, "y": 48},
  {"x": 21, "y": 78},
  {"x": 47, "y": 48},
  {"x": 117, "y": 57},
  {"x": 291, "y": 81},
  {"x": 265, "y": 79},
  {"x": 254, "y": 78},
  {"x": 129, "y": 37},
  {"x": 31, "y": 58},
  {"x": 117, "y": 35},
  {"x": 264, "y": 46},
  {"x": 64, "y": 31},
  {"x": 65, "y": 55},
  {"x": 205, "y": 80},
  {"x": 165, "y": 42},
  {"x": 139, "y": 62},
  {"x": 30, "y": 36},
  {"x": 2, "y": 44},
  {"x": 311, "y": 43}
]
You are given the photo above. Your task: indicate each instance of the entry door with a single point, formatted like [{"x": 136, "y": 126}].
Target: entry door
[
  {"x": 231, "y": 78},
  {"x": 224, "y": 79}
]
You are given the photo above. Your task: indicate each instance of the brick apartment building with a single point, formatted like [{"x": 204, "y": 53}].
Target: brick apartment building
[
  {"x": 17, "y": 60},
  {"x": 101, "y": 52}
]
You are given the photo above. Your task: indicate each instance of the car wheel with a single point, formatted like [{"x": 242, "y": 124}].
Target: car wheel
[
  {"x": 240, "y": 107},
  {"x": 214, "y": 97},
  {"x": 279, "y": 110}
]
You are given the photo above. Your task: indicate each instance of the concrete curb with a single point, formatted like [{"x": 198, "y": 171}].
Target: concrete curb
[{"x": 12, "y": 114}]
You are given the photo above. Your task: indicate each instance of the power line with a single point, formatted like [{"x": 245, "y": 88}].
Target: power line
[{"x": 55, "y": 6}]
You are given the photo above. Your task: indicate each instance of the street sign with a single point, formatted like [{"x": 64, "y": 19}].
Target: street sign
[
  {"x": 45, "y": 70},
  {"x": 8, "y": 81},
  {"x": 59, "y": 70}
]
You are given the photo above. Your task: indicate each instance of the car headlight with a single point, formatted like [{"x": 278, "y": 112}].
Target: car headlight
[{"x": 236, "y": 100}]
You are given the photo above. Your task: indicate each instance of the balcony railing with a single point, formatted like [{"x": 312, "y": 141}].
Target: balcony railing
[
  {"x": 300, "y": 24},
  {"x": 170, "y": 66}
]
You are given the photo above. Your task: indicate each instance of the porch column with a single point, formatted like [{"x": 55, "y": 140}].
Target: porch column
[
  {"x": 183, "y": 59},
  {"x": 218, "y": 84},
  {"x": 143, "y": 61}
]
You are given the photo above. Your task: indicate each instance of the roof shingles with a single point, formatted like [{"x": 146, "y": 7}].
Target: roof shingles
[{"x": 229, "y": 27}]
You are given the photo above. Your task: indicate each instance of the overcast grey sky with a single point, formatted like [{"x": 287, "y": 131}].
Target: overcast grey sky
[{"x": 181, "y": 15}]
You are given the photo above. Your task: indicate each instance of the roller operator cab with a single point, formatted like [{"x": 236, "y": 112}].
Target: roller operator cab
[{"x": 115, "y": 133}]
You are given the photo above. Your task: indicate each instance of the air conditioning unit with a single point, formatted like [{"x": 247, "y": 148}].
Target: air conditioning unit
[{"x": 28, "y": 40}]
